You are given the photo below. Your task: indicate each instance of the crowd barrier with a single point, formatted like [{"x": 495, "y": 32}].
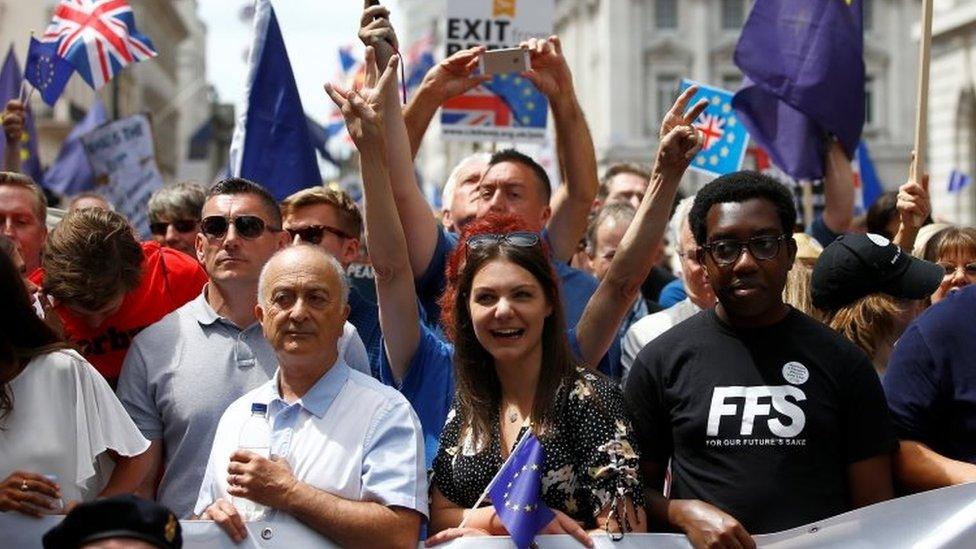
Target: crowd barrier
[{"x": 939, "y": 519}]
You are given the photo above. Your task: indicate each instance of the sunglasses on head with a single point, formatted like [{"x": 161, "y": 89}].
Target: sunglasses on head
[
  {"x": 247, "y": 226},
  {"x": 181, "y": 226},
  {"x": 313, "y": 234},
  {"x": 519, "y": 239}
]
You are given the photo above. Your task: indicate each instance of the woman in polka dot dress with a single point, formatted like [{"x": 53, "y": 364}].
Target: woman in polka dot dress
[{"x": 514, "y": 372}]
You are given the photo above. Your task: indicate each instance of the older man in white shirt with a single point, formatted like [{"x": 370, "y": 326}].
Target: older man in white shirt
[
  {"x": 700, "y": 294},
  {"x": 347, "y": 456}
]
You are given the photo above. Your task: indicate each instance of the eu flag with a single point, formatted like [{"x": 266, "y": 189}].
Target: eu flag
[
  {"x": 529, "y": 107},
  {"x": 10, "y": 81},
  {"x": 46, "y": 70},
  {"x": 271, "y": 144},
  {"x": 516, "y": 492},
  {"x": 804, "y": 73}
]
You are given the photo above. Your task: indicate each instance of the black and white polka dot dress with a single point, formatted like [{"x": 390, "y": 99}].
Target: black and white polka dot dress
[{"x": 590, "y": 454}]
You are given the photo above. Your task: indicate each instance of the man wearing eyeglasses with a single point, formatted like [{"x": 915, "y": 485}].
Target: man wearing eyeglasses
[
  {"x": 769, "y": 419},
  {"x": 174, "y": 216},
  {"x": 329, "y": 218},
  {"x": 182, "y": 372}
]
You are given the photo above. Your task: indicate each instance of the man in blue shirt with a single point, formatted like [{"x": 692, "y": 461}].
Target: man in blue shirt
[{"x": 930, "y": 384}]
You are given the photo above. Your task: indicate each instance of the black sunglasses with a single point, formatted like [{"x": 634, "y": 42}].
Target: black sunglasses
[
  {"x": 247, "y": 226},
  {"x": 519, "y": 239},
  {"x": 181, "y": 226},
  {"x": 313, "y": 234}
]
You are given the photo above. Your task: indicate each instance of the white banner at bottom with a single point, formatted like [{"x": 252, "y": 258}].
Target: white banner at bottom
[{"x": 939, "y": 519}]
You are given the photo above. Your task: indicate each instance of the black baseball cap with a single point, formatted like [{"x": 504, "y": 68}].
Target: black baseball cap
[
  {"x": 856, "y": 265},
  {"x": 125, "y": 516}
]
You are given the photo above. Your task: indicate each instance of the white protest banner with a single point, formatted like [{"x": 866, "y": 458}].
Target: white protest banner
[
  {"x": 938, "y": 519},
  {"x": 123, "y": 156},
  {"x": 509, "y": 107}
]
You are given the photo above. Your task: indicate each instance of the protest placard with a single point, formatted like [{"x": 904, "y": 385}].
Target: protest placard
[
  {"x": 509, "y": 107},
  {"x": 724, "y": 138},
  {"x": 123, "y": 157}
]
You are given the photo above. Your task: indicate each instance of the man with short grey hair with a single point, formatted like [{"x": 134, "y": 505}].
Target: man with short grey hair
[
  {"x": 174, "y": 215},
  {"x": 345, "y": 451},
  {"x": 459, "y": 199},
  {"x": 182, "y": 372}
]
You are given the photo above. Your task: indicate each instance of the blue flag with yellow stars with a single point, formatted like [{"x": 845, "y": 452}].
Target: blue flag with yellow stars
[
  {"x": 724, "y": 138},
  {"x": 10, "y": 81},
  {"x": 804, "y": 68},
  {"x": 46, "y": 70},
  {"x": 516, "y": 492}
]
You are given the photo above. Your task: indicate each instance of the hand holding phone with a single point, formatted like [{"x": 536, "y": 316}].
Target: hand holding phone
[{"x": 506, "y": 61}]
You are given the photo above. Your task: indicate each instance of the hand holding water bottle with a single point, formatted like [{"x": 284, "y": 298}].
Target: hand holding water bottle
[{"x": 259, "y": 479}]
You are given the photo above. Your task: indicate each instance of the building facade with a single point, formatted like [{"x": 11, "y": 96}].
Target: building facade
[{"x": 952, "y": 109}]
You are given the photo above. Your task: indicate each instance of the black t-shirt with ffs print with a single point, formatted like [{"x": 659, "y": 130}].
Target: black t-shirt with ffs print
[{"x": 760, "y": 423}]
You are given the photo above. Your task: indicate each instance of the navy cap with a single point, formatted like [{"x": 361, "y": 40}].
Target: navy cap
[
  {"x": 125, "y": 516},
  {"x": 857, "y": 265}
]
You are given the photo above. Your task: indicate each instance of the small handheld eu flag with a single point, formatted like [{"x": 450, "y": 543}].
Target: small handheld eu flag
[{"x": 516, "y": 492}]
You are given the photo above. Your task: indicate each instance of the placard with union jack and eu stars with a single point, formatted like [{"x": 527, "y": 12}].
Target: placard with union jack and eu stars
[
  {"x": 724, "y": 137},
  {"x": 509, "y": 107}
]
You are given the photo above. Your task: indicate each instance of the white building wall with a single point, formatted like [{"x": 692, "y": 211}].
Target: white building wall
[{"x": 952, "y": 109}]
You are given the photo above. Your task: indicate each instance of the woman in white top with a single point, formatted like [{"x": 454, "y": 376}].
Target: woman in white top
[{"x": 64, "y": 436}]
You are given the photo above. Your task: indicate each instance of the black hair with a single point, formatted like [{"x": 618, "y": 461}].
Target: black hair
[
  {"x": 512, "y": 155},
  {"x": 22, "y": 334},
  {"x": 740, "y": 187},
  {"x": 239, "y": 185},
  {"x": 881, "y": 212}
]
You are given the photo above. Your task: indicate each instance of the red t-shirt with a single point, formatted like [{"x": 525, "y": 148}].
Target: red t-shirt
[{"x": 169, "y": 279}]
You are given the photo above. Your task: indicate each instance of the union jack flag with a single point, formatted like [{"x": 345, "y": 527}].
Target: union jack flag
[
  {"x": 478, "y": 107},
  {"x": 98, "y": 37}
]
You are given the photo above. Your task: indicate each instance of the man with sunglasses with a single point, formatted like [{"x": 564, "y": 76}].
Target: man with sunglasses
[
  {"x": 182, "y": 372},
  {"x": 769, "y": 419},
  {"x": 329, "y": 218},
  {"x": 174, "y": 216}
]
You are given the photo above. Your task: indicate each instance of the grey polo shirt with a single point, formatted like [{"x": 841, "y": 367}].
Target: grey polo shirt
[{"x": 179, "y": 376}]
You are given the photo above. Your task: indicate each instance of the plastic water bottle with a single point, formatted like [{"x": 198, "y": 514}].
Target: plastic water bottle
[
  {"x": 255, "y": 437},
  {"x": 58, "y": 503}
]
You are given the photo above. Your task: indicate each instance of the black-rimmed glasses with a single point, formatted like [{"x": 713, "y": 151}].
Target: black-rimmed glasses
[
  {"x": 313, "y": 234},
  {"x": 247, "y": 226},
  {"x": 519, "y": 239},
  {"x": 727, "y": 252}
]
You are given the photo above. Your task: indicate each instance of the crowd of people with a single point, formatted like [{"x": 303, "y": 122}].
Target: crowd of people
[{"x": 689, "y": 364}]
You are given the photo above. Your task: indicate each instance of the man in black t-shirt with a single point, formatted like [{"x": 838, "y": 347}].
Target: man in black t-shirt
[{"x": 770, "y": 419}]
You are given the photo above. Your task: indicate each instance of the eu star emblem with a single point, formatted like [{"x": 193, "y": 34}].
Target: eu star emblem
[
  {"x": 516, "y": 492},
  {"x": 724, "y": 138}
]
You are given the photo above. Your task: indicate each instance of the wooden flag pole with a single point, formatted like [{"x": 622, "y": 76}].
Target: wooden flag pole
[{"x": 922, "y": 98}]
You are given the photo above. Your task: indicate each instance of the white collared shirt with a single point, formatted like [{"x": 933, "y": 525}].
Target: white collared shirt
[{"x": 349, "y": 435}]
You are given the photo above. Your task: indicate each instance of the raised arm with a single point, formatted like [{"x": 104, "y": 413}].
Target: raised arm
[
  {"x": 615, "y": 295},
  {"x": 571, "y": 203},
  {"x": 449, "y": 78},
  {"x": 838, "y": 190},
  {"x": 13, "y": 129},
  {"x": 375, "y": 124}
]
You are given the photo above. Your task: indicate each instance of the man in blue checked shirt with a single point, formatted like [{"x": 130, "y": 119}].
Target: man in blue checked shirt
[{"x": 346, "y": 452}]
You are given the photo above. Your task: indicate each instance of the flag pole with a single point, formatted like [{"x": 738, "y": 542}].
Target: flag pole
[
  {"x": 484, "y": 494},
  {"x": 922, "y": 98}
]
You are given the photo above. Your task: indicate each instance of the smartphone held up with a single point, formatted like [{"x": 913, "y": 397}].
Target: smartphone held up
[{"x": 505, "y": 61}]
